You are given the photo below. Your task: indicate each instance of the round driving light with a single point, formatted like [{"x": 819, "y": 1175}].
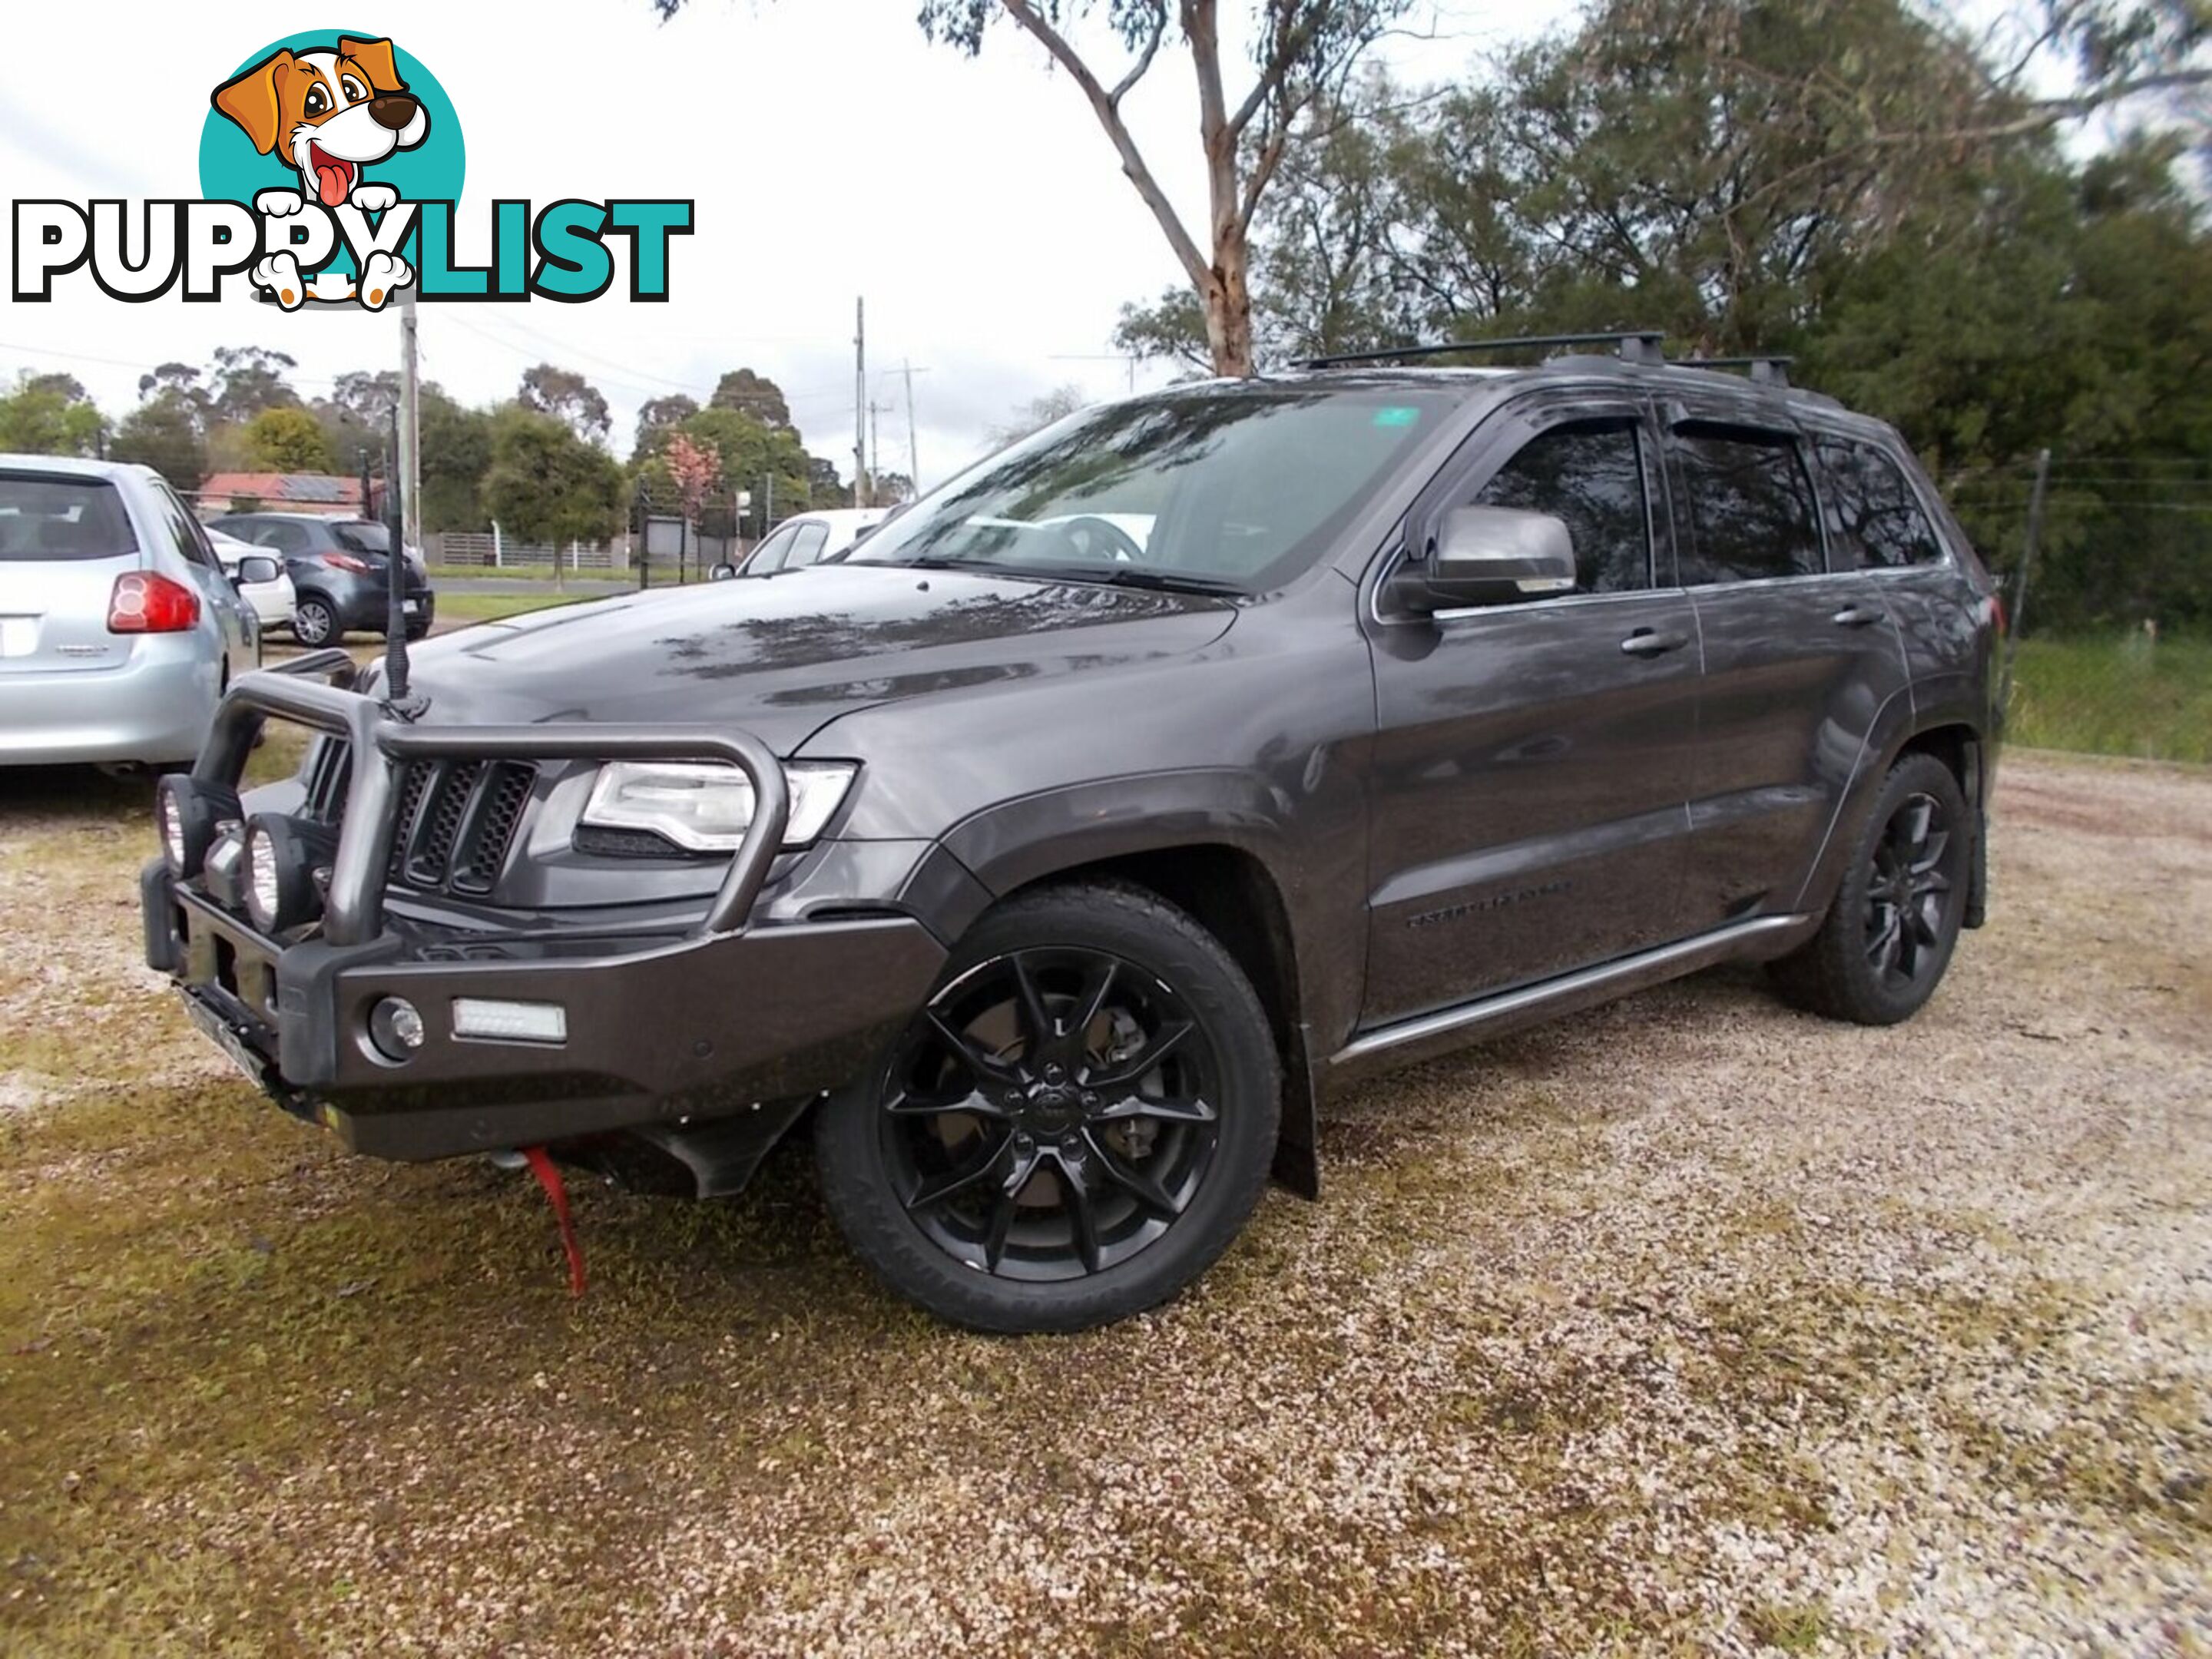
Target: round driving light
[
  {"x": 287, "y": 863},
  {"x": 261, "y": 878},
  {"x": 189, "y": 815},
  {"x": 395, "y": 1026},
  {"x": 169, "y": 818}
]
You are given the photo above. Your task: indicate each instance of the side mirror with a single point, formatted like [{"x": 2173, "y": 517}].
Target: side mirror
[
  {"x": 722, "y": 573},
  {"x": 255, "y": 569},
  {"x": 1490, "y": 556}
]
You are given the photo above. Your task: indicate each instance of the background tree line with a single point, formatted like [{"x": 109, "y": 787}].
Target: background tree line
[
  {"x": 539, "y": 463},
  {"x": 1852, "y": 182}
]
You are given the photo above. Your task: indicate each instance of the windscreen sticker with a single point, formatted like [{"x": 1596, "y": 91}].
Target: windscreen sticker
[{"x": 1397, "y": 415}]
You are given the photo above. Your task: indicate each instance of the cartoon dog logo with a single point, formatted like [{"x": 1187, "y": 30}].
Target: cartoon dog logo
[{"x": 328, "y": 114}]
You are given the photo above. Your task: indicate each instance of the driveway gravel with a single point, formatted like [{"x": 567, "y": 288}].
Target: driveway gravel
[{"x": 1693, "y": 1323}]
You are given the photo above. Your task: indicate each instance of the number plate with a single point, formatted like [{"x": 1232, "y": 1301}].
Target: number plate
[
  {"x": 218, "y": 1031},
  {"x": 409, "y": 607}
]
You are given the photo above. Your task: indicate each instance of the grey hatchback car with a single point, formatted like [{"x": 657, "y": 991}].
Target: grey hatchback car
[
  {"x": 339, "y": 569},
  {"x": 118, "y": 629},
  {"x": 1058, "y": 852}
]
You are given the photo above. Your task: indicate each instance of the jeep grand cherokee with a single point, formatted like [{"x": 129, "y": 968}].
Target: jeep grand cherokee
[{"x": 1061, "y": 851}]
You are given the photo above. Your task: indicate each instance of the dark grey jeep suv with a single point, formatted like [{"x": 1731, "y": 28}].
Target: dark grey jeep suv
[
  {"x": 341, "y": 574},
  {"x": 1060, "y": 851}
]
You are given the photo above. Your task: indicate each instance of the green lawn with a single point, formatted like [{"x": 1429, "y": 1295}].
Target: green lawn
[
  {"x": 490, "y": 607},
  {"x": 2109, "y": 697}
]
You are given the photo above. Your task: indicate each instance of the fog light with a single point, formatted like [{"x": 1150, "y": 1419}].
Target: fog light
[
  {"x": 287, "y": 863},
  {"x": 189, "y": 815},
  {"x": 510, "y": 1022},
  {"x": 395, "y": 1026}
]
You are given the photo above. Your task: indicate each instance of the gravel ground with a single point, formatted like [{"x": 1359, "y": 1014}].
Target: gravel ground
[{"x": 1692, "y": 1324}]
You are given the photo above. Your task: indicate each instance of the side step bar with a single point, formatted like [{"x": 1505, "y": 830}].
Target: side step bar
[{"x": 1426, "y": 1036}]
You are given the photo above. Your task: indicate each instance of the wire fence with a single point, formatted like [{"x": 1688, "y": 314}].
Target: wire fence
[{"x": 2113, "y": 608}]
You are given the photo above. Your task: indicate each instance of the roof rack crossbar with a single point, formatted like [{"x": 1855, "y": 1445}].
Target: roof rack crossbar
[
  {"x": 1768, "y": 369},
  {"x": 1633, "y": 345}
]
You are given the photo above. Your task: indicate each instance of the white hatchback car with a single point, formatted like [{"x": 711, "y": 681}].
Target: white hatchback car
[
  {"x": 807, "y": 538},
  {"x": 272, "y": 601}
]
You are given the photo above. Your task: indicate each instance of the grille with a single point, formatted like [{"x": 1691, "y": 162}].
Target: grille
[{"x": 456, "y": 820}]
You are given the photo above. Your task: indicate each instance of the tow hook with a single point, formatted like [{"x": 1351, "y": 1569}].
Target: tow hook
[{"x": 549, "y": 1176}]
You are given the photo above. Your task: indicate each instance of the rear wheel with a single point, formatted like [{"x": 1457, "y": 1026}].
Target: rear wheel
[
  {"x": 1076, "y": 1125},
  {"x": 315, "y": 621},
  {"x": 1889, "y": 933}
]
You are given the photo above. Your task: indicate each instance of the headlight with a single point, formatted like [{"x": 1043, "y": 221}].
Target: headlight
[{"x": 706, "y": 805}]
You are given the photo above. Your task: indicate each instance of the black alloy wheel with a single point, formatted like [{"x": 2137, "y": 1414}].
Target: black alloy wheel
[
  {"x": 1909, "y": 892},
  {"x": 1051, "y": 1115},
  {"x": 1076, "y": 1125},
  {"x": 1888, "y": 935}
]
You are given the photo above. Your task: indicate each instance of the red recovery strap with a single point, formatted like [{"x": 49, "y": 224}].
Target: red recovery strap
[{"x": 549, "y": 1177}]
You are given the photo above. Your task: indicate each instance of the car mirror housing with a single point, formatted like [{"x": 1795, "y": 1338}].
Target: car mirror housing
[
  {"x": 722, "y": 573},
  {"x": 255, "y": 569},
  {"x": 1489, "y": 555}
]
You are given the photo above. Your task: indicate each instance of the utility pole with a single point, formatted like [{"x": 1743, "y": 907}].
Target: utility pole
[
  {"x": 912, "y": 455},
  {"x": 2027, "y": 558},
  {"x": 875, "y": 440},
  {"x": 860, "y": 491},
  {"x": 411, "y": 424},
  {"x": 1128, "y": 357}
]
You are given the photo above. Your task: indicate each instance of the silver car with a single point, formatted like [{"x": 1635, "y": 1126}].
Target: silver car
[{"x": 118, "y": 628}]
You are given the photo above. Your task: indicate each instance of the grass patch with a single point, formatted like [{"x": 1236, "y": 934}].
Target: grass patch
[
  {"x": 2107, "y": 696},
  {"x": 490, "y": 607}
]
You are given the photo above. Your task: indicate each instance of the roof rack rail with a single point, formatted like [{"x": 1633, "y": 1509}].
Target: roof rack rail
[
  {"x": 1767, "y": 370},
  {"x": 1639, "y": 345}
]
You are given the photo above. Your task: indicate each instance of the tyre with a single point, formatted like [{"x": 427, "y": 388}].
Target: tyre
[
  {"x": 1074, "y": 1128},
  {"x": 1888, "y": 934},
  {"x": 315, "y": 622}
]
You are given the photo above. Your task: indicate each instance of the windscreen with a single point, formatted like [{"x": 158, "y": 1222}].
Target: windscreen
[
  {"x": 52, "y": 517},
  {"x": 1237, "y": 488}
]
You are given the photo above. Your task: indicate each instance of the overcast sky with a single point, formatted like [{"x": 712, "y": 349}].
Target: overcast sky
[{"x": 831, "y": 151}]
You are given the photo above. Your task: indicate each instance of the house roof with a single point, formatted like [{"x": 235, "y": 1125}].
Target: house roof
[{"x": 308, "y": 490}]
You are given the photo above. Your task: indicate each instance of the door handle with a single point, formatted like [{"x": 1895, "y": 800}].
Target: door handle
[
  {"x": 1645, "y": 643},
  {"x": 1856, "y": 616}
]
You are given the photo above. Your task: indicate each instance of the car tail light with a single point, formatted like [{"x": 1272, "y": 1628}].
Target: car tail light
[
  {"x": 146, "y": 603},
  {"x": 347, "y": 562},
  {"x": 2003, "y": 622}
]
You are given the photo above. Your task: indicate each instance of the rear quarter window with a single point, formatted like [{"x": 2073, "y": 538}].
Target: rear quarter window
[
  {"x": 48, "y": 517},
  {"x": 1878, "y": 521}
]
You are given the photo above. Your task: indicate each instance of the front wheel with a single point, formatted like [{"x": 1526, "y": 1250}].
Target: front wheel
[
  {"x": 1074, "y": 1128},
  {"x": 1889, "y": 933}
]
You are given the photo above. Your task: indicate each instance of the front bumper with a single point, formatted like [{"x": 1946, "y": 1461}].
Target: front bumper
[{"x": 710, "y": 1024}]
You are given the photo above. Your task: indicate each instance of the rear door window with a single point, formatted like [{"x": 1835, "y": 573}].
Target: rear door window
[
  {"x": 53, "y": 517},
  {"x": 1878, "y": 522},
  {"x": 1749, "y": 504},
  {"x": 283, "y": 535},
  {"x": 1589, "y": 474}
]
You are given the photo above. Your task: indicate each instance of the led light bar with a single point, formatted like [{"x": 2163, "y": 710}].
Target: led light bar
[{"x": 494, "y": 1021}]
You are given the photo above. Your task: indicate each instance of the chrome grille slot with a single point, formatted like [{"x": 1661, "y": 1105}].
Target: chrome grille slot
[
  {"x": 455, "y": 821},
  {"x": 431, "y": 831},
  {"x": 487, "y": 825}
]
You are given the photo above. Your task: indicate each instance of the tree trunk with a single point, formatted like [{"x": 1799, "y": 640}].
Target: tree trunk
[{"x": 1228, "y": 302}]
